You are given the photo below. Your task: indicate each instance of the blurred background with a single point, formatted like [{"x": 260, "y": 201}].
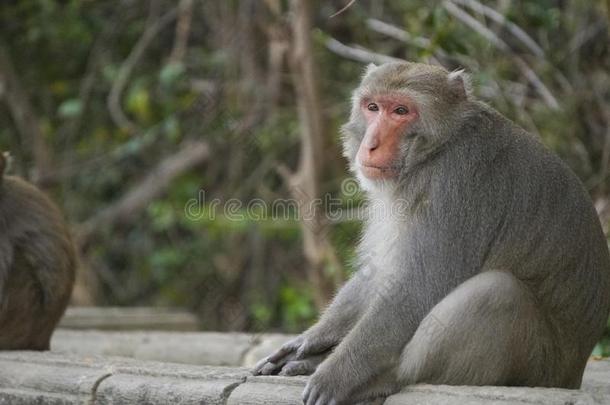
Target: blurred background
[{"x": 146, "y": 119}]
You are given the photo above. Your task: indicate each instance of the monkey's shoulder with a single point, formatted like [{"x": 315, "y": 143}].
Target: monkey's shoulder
[{"x": 498, "y": 146}]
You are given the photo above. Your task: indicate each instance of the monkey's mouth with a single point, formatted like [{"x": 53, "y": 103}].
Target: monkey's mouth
[{"x": 379, "y": 172}]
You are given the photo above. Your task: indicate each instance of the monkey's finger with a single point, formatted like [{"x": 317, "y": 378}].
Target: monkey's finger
[
  {"x": 271, "y": 369},
  {"x": 307, "y": 394},
  {"x": 308, "y": 348},
  {"x": 287, "y": 348},
  {"x": 258, "y": 367},
  {"x": 297, "y": 368},
  {"x": 325, "y": 400},
  {"x": 275, "y": 359},
  {"x": 302, "y": 352},
  {"x": 311, "y": 395},
  {"x": 281, "y": 353},
  {"x": 262, "y": 364}
]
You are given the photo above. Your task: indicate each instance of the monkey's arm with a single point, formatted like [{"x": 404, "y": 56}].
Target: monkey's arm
[
  {"x": 332, "y": 327},
  {"x": 371, "y": 349}
]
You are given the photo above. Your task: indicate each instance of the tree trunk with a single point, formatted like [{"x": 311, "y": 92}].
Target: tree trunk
[{"x": 304, "y": 184}]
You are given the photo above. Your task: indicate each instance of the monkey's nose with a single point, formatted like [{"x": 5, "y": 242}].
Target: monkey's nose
[{"x": 371, "y": 143}]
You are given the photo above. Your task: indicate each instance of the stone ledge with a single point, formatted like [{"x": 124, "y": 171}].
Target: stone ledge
[
  {"x": 203, "y": 348},
  {"x": 54, "y": 378},
  {"x": 129, "y": 318}
]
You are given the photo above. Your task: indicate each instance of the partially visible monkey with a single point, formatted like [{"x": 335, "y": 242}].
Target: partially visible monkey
[
  {"x": 37, "y": 265},
  {"x": 494, "y": 271}
]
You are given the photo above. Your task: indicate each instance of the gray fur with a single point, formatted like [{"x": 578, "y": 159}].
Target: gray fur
[{"x": 496, "y": 273}]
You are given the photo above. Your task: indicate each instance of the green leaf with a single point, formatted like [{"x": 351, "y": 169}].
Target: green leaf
[
  {"x": 170, "y": 73},
  {"x": 138, "y": 102},
  {"x": 70, "y": 108}
]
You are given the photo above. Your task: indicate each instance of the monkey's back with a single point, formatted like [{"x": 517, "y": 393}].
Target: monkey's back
[
  {"x": 37, "y": 266},
  {"x": 550, "y": 236}
]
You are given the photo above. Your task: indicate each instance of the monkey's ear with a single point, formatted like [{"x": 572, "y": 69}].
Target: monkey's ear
[
  {"x": 459, "y": 80},
  {"x": 370, "y": 67}
]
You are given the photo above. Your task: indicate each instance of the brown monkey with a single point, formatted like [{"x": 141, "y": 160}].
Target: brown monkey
[
  {"x": 37, "y": 265},
  {"x": 493, "y": 271}
]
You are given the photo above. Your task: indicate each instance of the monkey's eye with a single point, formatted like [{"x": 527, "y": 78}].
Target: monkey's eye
[
  {"x": 401, "y": 110},
  {"x": 372, "y": 107}
]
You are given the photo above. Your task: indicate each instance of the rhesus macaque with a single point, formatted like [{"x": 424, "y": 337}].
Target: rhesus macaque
[
  {"x": 37, "y": 265},
  {"x": 494, "y": 271}
]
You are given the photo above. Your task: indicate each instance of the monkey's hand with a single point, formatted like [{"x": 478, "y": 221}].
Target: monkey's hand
[
  {"x": 273, "y": 364},
  {"x": 299, "y": 356}
]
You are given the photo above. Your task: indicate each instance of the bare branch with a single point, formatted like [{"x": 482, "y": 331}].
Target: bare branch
[
  {"x": 359, "y": 55},
  {"x": 348, "y": 5},
  {"x": 513, "y": 28},
  {"x": 521, "y": 35},
  {"x": 399, "y": 34},
  {"x": 114, "y": 97},
  {"x": 486, "y": 33},
  {"x": 393, "y": 31},
  {"x": 152, "y": 186}
]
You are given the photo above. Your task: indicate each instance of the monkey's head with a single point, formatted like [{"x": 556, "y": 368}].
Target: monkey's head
[{"x": 401, "y": 111}]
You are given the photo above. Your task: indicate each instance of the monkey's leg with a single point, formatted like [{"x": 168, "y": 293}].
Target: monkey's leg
[{"x": 488, "y": 331}]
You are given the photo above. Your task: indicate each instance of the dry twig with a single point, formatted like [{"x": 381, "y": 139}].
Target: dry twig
[
  {"x": 359, "y": 55},
  {"x": 348, "y": 5},
  {"x": 522, "y": 65},
  {"x": 513, "y": 28}
]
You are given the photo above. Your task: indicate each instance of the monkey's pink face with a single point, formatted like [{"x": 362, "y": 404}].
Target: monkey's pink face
[{"x": 387, "y": 120}]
